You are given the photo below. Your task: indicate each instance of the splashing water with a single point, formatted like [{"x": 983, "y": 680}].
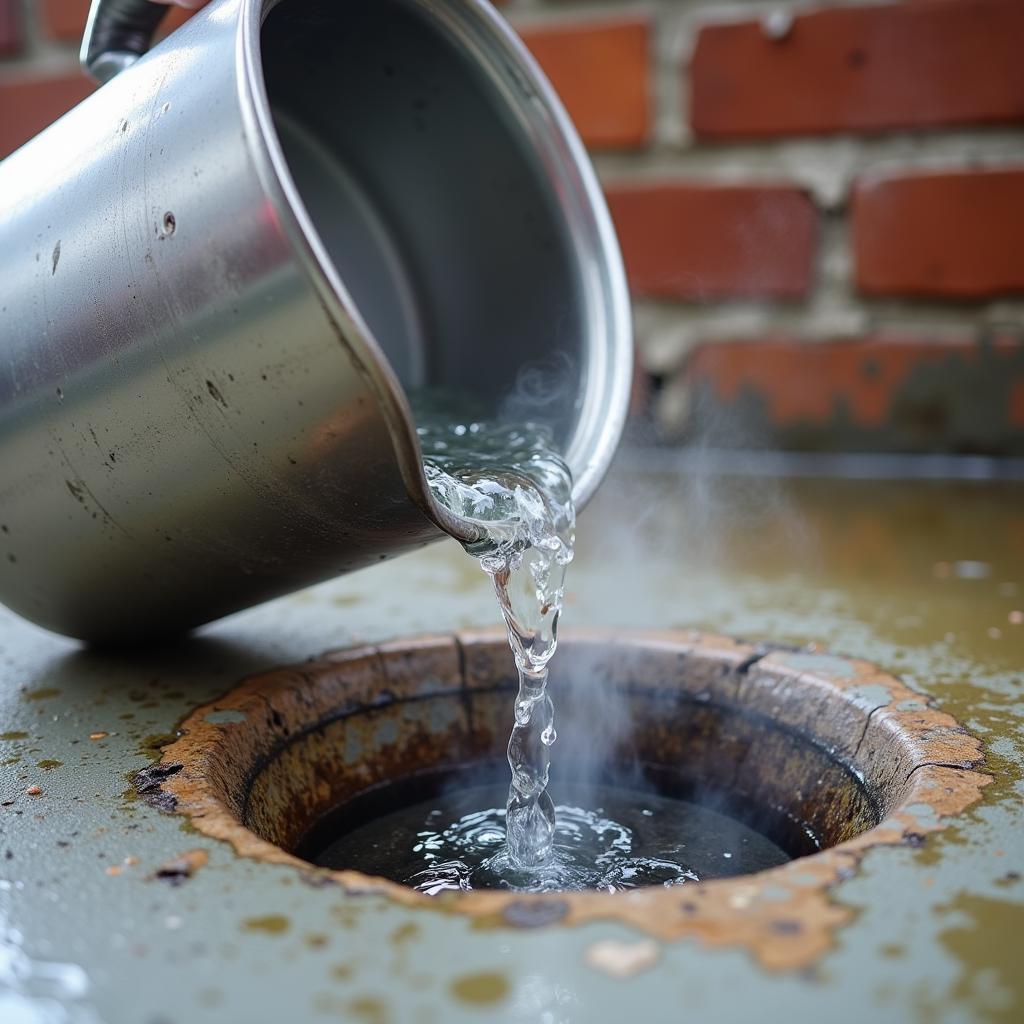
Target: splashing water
[
  {"x": 446, "y": 833},
  {"x": 512, "y": 487}
]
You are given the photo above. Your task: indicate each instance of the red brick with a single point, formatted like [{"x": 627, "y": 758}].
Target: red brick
[
  {"x": 10, "y": 26},
  {"x": 28, "y": 105},
  {"x": 1017, "y": 403},
  {"x": 601, "y": 72},
  {"x": 65, "y": 19},
  {"x": 897, "y": 393},
  {"x": 805, "y": 382},
  {"x": 867, "y": 69},
  {"x": 702, "y": 241},
  {"x": 948, "y": 235}
]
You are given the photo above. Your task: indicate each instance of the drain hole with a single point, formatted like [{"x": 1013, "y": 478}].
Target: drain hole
[
  {"x": 764, "y": 758},
  {"x": 729, "y": 790}
]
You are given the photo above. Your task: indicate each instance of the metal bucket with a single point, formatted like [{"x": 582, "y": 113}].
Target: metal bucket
[{"x": 222, "y": 273}]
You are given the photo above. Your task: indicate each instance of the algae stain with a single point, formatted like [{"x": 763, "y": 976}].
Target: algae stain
[
  {"x": 372, "y": 1011},
  {"x": 42, "y": 693},
  {"x": 49, "y": 763},
  {"x": 404, "y": 933},
  {"x": 152, "y": 745},
  {"x": 269, "y": 924},
  {"x": 13, "y": 735},
  {"x": 484, "y": 989},
  {"x": 346, "y": 915},
  {"x": 486, "y": 922},
  {"x": 931, "y": 852}
]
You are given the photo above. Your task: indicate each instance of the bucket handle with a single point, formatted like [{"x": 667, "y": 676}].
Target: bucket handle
[{"x": 117, "y": 34}]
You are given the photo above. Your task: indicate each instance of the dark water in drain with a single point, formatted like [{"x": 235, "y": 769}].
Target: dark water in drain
[{"x": 607, "y": 838}]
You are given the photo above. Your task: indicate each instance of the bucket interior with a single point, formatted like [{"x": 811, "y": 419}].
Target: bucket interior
[{"x": 408, "y": 145}]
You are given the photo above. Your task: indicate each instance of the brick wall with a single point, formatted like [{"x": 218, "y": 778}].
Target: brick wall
[{"x": 821, "y": 205}]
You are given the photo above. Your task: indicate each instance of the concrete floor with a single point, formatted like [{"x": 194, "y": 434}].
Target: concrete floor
[{"x": 926, "y": 579}]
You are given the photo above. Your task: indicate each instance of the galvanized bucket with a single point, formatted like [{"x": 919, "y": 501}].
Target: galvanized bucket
[{"x": 222, "y": 273}]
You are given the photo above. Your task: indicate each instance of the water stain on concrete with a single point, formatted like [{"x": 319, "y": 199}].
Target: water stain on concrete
[
  {"x": 405, "y": 933},
  {"x": 268, "y": 924}
]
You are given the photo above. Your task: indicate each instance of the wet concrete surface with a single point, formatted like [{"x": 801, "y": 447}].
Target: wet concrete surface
[{"x": 925, "y": 578}]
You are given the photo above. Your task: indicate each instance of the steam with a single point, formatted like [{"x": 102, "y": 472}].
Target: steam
[
  {"x": 664, "y": 520},
  {"x": 544, "y": 391},
  {"x": 595, "y": 727}
]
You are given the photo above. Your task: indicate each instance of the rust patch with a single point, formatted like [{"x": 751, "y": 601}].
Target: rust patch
[{"x": 307, "y": 737}]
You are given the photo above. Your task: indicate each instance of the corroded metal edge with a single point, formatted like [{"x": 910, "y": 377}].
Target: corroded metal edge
[{"x": 785, "y": 917}]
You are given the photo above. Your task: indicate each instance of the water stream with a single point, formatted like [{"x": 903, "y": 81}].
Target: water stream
[{"x": 512, "y": 487}]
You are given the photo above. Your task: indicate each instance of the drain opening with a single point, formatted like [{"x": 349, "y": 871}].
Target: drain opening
[
  {"x": 730, "y": 785},
  {"x": 806, "y": 748},
  {"x": 659, "y": 786}
]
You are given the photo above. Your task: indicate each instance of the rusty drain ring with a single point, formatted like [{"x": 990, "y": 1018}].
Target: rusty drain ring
[{"x": 917, "y": 758}]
